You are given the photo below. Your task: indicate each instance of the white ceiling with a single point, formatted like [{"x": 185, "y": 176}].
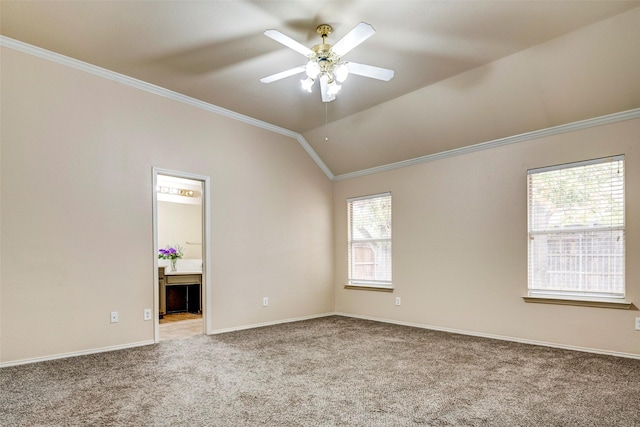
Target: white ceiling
[{"x": 215, "y": 51}]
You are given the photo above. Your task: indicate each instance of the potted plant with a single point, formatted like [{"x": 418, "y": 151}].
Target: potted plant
[{"x": 172, "y": 253}]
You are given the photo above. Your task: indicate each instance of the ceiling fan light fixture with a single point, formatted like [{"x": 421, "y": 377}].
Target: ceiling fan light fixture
[
  {"x": 307, "y": 84},
  {"x": 312, "y": 69},
  {"x": 342, "y": 72},
  {"x": 333, "y": 88}
]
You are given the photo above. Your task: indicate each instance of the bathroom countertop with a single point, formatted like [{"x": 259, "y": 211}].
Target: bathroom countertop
[{"x": 168, "y": 272}]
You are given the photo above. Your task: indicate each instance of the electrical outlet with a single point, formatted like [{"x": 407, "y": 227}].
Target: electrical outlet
[
  {"x": 114, "y": 317},
  {"x": 398, "y": 302},
  {"x": 147, "y": 314},
  {"x": 265, "y": 301},
  {"x": 637, "y": 323}
]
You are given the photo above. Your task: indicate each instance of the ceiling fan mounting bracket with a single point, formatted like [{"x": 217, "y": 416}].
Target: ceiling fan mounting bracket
[{"x": 324, "y": 30}]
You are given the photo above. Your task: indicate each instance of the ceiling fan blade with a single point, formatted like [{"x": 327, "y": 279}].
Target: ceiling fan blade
[
  {"x": 370, "y": 71},
  {"x": 288, "y": 42},
  {"x": 282, "y": 74},
  {"x": 360, "y": 33},
  {"x": 324, "y": 89}
]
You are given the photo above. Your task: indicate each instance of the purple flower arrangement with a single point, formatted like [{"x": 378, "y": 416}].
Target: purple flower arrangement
[{"x": 171, "y": 252}]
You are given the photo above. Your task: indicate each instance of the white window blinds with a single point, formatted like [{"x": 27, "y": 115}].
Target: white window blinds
[
  {"x": 576, "y": 229},
  {"x": 369, "y": 231}
]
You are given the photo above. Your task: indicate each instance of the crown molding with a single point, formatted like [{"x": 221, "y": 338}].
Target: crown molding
[
  {"x": 556, "y": 130},
  {"x": 139, "y": 84},
  {"x": 157, "y": 90}
]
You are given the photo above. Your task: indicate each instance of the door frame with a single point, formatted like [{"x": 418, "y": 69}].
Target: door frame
[{"x": 206, "y": 247}]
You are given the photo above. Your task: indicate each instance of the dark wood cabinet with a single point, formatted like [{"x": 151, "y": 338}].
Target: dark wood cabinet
[
  {"x": 179, "y": 292},
  {"x": 183, "y": 298}
]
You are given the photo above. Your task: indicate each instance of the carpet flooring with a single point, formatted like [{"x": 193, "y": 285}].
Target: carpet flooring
[{"x": 333, "y": 371}]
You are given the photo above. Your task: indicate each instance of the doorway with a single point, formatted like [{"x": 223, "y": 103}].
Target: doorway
[{"x": 180, "y": 213}]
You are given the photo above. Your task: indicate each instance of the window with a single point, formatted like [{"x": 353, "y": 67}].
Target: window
[
  {"x": 370, "y": 240},
  {"x": 576, "y": 230}
]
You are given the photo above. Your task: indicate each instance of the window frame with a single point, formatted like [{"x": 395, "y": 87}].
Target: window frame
[
  {"x": 357, "y": 283},
  {"x": 565, "y": 296}
]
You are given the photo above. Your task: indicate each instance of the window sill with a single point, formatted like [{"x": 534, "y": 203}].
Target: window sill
[
  {"x": 593, "y": 302},
  {"x": 369, "y": 288}
]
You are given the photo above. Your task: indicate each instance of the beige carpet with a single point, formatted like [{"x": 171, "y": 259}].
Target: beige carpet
[{"x": 333, "y": 371}]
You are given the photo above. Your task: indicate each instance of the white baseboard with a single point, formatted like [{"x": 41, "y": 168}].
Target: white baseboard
[
  {"x": 271, "y": 323},
  {"x": 150, "y": 342},
  {"x": 75, "y": 353},
  {"x": 496, "y": 337},
  {"x": 316, "y": 316}
]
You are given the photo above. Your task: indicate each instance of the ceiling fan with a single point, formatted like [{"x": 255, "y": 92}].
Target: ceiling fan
[{"x": 325, "y": 61}]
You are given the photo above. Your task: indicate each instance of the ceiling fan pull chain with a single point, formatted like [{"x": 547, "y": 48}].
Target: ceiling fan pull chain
[{"x": 326, "y": 119}]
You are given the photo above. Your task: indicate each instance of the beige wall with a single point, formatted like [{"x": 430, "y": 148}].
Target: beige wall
[
  {"x": 76, "y": 173},
  {"x": 77, "y": 153},
  {"x": 180, "y": 223},
  {"x": 460, "y": 244}
]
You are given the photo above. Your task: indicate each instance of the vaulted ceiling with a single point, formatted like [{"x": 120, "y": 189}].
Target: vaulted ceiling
[{"x": 466, "y": 72}]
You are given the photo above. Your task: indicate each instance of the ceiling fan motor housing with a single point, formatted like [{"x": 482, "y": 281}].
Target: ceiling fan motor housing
[{"x": 325, "y": 58}]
